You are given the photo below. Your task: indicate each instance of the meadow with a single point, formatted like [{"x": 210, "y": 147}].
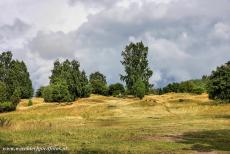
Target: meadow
[{"x": 169, "y": 123}]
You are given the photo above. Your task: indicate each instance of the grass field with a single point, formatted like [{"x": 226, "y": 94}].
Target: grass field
[{"x": 171, "y": 123}]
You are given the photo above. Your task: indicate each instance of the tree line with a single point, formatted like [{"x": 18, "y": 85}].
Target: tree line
[{"x": 68, "y": 82}]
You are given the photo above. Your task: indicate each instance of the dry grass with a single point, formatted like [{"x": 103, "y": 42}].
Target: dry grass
[{"x": 171, "y": 123}]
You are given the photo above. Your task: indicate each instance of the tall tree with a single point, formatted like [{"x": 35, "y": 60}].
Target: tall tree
[
  {"x": 136, "y": 67},
  {"x": 69, "y": 73},
  {"x": 219, "y": 83},
  {"x": 98, "y": 83},
  {"x": 15, "y": 75}
]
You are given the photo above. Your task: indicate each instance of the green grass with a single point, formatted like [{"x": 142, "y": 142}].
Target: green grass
[{"x": 171, "y": 123}]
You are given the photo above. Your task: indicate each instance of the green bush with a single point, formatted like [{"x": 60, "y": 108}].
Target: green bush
[
  {"x": 3, "y": 96},
  {"x": 39, "y": 92},
  {"x": 7, "y": 106},
  {"x": 198, "y": 90},
  {"x": 15, "y": 98},
  {"x": 30, "y": 103},
  {"x": 116, "y": 89},
  {"x": 219, "y": 83},
  {"x": 86, "y": 90},
  {"x": 57, "y": 93},
  {"x": 99, "y": 87},
  {"x": 139, "y": 89}
]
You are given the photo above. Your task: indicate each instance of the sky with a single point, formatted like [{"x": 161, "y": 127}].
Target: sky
[{"x": 186, "y": 38}]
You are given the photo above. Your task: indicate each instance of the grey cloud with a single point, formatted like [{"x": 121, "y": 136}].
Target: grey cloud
[
  {"x": 93, "y": 3},
  {"x": 186, "y": 39},
  {"x": 17, "y": 29},
  {"x": 52, "y": 45}
]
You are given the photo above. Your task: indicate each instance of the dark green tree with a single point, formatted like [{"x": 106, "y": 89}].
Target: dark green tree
[
  {"x": 39, "y": 91},
  {"x": 19, "y": 77},
  {"x": 136, "y": 67},
  {"x": 69, "y": 73},
  {"x": 219, "y": 83},
  {"x": 98, "y": 83},
  {"x": 16, "y": 80}
]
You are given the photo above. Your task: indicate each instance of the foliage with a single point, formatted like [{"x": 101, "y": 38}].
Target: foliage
[
  {"x": 30, "y": 103},
  {"x": 69, "y": 73},
  {"x": 116, "y": 89},
  {"x": 15, "y": 80},
  {"x": 7, "y": 106},
  {"x": 197, "y": 86},
  {"x": 139, "y": 89},
  {"x": 39, "y": 91},
  {"x": 3, "y": 96},
  {"x": 98, "y": 83},
  {"x": 57, "y": 92},
  {"x": 219, "y": 83},
  {"x": 136, "y": 67},
  {"x": 15, "y": 98}
]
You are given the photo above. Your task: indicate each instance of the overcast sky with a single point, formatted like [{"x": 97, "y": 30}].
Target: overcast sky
[{"x": 186, "y": 38}]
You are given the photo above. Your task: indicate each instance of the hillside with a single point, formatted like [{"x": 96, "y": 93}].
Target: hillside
[{"x": 170, "y": 123}]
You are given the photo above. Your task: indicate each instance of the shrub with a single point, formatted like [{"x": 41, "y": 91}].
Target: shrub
[
  {"x": 39, "y": 92},
  {"x": 198, "y": 90},
  {"x": 7, "y": 106},
  {"x": 86, "y": 90},
  {"x": 219, "y": 83},
  {"x": 30, "y": 103},
  {"x": 3, "y": 96},
  {"x": 57, "y": 93},
  {"x": 139, "y": 89},
  {"x": 99, "y": 87},
  {"x": 116, "y": 89},
  {"x": 15, "y": 98}
]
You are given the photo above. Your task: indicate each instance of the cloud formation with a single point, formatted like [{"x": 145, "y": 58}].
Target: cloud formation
[{"x": 186, "y": 39}]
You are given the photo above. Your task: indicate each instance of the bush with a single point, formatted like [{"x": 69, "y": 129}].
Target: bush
[
  {"x": 219, "y": 83},
  {"x": 99, "y": 87},
  {"x": 139, "y": 89},
  {"x": 3, "y": 96},
  {"x": 7, "y": 106},
  {"x": 15, "y": 98},
  {"x": 86, "y": 90},
  {"x": 116, "y": 89},
  {"x": 39, "y": 92},
  {"x": 198, "y": 90},
  {"x": 30, "y": 103},
  {"x": 57, "y": 93}
]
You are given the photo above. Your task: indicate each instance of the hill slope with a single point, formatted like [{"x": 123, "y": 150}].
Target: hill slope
[{"x": 170, "y": 123}]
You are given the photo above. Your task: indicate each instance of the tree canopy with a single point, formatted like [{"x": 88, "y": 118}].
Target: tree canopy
[
  {"x": 136, "y": 67},
  {"x": 15, "y": 80},
  {"x": 219, "y": 83}
]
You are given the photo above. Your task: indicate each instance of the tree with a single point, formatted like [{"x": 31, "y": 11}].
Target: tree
[
  {"x": 219, "y": 83},
  {"x": 139, "y": 89},
  {"x": 136, "y": 67},
  {"x": 3, "y": 96},
  {"x": 14, "y": 82},
  {"x": 18, "y": 70},
  {"x": 39, "y": 91},
  {"x": 69, "y": 73},
  {"x": 116, "y": 89},
  {"x": 98, "y": 83}
]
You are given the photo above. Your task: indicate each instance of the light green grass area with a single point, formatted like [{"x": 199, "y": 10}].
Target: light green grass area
[{"x": 171, "y": 123}]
